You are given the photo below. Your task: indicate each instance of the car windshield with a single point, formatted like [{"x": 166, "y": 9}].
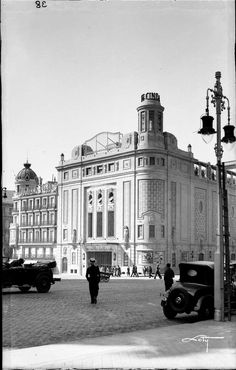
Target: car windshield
[{"x": 196, "y": 274}]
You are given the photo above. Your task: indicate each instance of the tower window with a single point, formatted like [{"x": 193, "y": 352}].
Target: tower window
[
  {"x": 151, "y": 120},
  {"x": 143, "y": 121},
  {"x": 152, "y": 161},
  {"x": 140, "y": 161}
]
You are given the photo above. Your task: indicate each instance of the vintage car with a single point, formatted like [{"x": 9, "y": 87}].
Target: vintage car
[
  {"x": 25, "y": 275},
  {"x": 194, "y": 291}
]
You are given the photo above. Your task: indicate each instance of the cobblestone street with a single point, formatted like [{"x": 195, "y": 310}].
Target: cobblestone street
[{"x": 65, "y": 314}]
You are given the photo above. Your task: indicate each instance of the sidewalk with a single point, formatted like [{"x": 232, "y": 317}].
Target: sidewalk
[{"x": 200, "y": 345}]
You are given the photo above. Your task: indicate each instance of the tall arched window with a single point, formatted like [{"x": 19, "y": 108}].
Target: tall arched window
[
  {"x": 73, "y": 258},
  {"x": 64, "y": 264}
]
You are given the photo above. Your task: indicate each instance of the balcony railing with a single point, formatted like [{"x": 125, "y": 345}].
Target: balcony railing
[
  {"x": 208, "y": 172},
  {"x": 36, "y": 241},
  {"x": 38, "y": 224},
  {"x": 37, "y": 207}
]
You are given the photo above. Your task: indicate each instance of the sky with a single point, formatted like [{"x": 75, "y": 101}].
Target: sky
[{"x": 74, "y": 69}]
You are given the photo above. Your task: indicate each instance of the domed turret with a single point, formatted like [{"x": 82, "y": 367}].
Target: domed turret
[{"x": 26, "y": 179}]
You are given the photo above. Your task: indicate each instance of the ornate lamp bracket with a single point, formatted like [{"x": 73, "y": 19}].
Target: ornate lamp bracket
[{"x": 219, "y": 152}]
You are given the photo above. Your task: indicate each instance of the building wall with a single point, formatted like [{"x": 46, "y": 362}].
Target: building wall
[
  {"x": 180, "y": 206},
  {"x": 33, "y": 232},
  {"x": 7, "y": 205}
]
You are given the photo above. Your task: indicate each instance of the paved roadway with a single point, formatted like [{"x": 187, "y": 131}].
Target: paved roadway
[{"x": 65, "y": 314}]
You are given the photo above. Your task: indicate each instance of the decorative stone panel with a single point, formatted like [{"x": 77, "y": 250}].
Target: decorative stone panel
[
  {"x": 200, "y": 201},
  {"x": 151, "y": 197}
]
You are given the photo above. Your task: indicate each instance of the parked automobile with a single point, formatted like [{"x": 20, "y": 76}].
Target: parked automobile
[
  {"x": 25, "y": 275},
  {"x": 194, "y": 291}
]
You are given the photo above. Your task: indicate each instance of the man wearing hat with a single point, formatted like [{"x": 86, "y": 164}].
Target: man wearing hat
[{"x": 93, "y": 277}]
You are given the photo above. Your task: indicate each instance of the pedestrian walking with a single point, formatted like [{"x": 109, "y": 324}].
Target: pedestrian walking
[
  {"x": 118, "y": 271},
  {"x": 128, "y": 271},
  {"x": 168, "y": 277},
  {"x": 150, "y": 271},
  {"x": 158, "y": 272},
  {"x": 93, "y": 277},
  {"x": 145, "y": 270},
  {"x": 134, "y": 271}
]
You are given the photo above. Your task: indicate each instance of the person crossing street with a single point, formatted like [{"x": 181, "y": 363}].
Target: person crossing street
[
  {"x": 93, "y": 277},
  {"x": 158, "y": 272}
]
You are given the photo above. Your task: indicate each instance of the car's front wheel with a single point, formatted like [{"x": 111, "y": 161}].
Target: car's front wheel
[
  {"x": 168, "y": 312},
  {"x": 43, "y": 283}
]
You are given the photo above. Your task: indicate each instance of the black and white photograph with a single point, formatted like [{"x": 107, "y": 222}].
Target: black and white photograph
[{"x": 118, "y": 184}]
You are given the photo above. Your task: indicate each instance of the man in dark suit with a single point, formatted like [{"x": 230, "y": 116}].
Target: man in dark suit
[
  {"x": 93, "y": 277},
  {"x": 168, "y": 277}
]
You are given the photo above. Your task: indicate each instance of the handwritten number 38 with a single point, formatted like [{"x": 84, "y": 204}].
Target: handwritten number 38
[{"x": 40, "y": 4}]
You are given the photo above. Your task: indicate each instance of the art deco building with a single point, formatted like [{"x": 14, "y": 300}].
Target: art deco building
[
  {"x": 138, "y": 199},
  {"x": 7, "y": 205},
  {"x": 33, "y": 231}
]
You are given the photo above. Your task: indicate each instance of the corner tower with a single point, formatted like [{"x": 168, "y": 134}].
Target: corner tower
[
  {"x": 26, "y": 180},
  {"x": 150, "y": 122}
]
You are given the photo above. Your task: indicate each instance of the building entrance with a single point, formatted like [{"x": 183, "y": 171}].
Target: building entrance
[{"x": 102, "y": 258}]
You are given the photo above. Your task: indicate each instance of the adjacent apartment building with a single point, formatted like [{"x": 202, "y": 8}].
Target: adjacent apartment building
[
  {"x": 33, "y": 232},
  {"x": 133, "y": 199}
]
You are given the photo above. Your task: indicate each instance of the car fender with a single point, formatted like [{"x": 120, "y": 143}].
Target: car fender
[{"x": 200, "y": 301}]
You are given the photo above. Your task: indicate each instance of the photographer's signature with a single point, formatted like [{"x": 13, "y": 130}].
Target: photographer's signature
[{"x": 200, "y": 338}]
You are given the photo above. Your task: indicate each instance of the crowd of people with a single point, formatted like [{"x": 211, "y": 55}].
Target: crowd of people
[
  {"x": 133, "y": 271},
  {"x": 112, "y": 270}
]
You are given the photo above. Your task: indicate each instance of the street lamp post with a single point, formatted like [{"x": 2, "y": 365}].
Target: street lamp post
[{"x": 218, "y": 100}]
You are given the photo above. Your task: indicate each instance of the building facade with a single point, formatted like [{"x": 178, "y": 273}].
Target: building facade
[
  {"x": 33, "y": 232},
  {"x": 137, "y": 199},
  {"x": 7, "y": 205}
]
